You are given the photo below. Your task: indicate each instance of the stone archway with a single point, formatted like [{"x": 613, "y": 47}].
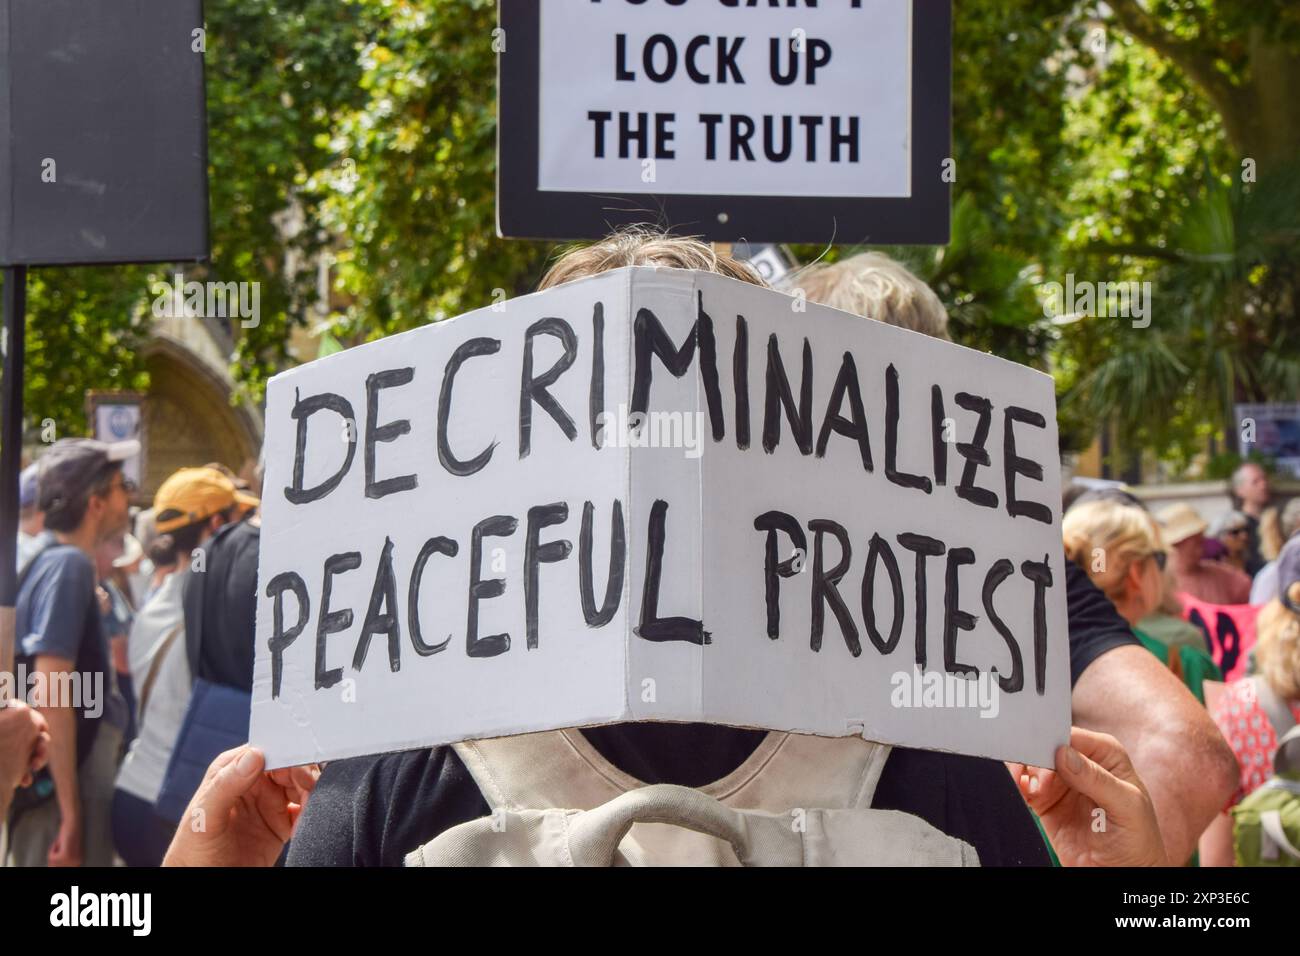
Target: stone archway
[{"x": 188, "y": 417}]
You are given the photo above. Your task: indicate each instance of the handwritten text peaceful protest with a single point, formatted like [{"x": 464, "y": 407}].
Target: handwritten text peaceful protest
[{"x": 758, "y": 508}]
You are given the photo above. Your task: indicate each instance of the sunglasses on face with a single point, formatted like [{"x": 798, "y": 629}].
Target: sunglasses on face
[
  {"x": 1236, "y": 531},
  {"x": 1161, "y": 559}
]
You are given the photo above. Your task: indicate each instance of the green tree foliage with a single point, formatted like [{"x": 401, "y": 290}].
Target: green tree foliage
[
  {"x": 84, "y": 330},
  {"x": 364, "y": 130},
  {"x": 1163, "y": 190},
  {"x": 414, "y": 206}
]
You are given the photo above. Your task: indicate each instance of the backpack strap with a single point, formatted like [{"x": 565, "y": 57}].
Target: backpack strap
[
  {"x": 1270, "y": 821},
  {"x": 1286, "y": 759},
  {"x": 161, "y": 651},
  {"x": 561, "y": 768},
  {"x": 596, "y": 837}
]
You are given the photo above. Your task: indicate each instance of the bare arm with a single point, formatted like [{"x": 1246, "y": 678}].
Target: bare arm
[
  {"x": 1176, "y": 749},
  {"x": 63, "y": 755},
  {"x": 24, "y": 740},
  {"x": 1216, "y": 843}
]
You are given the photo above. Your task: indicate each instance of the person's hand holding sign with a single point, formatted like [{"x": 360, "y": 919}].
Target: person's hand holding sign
[
  {"x": 1093, "y": 806},
  {"x": 240, "y": 815}
]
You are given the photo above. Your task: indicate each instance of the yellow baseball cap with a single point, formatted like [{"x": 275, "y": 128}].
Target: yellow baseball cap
[{"x": 196, "y": 494}]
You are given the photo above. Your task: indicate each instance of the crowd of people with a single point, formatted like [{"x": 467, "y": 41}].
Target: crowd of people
[
  {"x": 105, "y": 654},
  {"x": 1159, "y": 742}
]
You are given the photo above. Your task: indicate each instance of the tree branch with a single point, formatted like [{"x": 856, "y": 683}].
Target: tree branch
[{"x": 1194, "y": 60}]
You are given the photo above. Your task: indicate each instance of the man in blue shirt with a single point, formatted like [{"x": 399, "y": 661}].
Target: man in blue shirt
[{"x": 63, "y": 661}]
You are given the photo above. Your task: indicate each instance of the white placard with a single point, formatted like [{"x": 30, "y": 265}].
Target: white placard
[
  {"x": 116, "y": 422},
  {"x": 417, "y": 491},
  {"x": 707, "y": 97}
]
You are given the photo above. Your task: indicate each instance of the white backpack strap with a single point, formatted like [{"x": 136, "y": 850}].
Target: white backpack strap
[
  {"x": 560, "y": 768},
  {"x": 601, "y": 837},
  {"x": 553, "y": 768},
  {"x": 1270, "y": 822},
  {"x": 757, "y": 839},
  {"x": 1286, "y": 758}
]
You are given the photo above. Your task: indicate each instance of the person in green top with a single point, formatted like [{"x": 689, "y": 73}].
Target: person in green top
[
  {"x": 1191, "y": 664},
  {"x": 1166, "y": 623}
]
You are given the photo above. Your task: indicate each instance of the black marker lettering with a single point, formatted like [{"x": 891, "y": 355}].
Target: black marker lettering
[
  {"x": 596, "y": 402},
  {"x": 466, "y": 350},
  {"x": 974, "y": 452},
  {"x": 381, "y": 615},
  {"x": 331, "y": 622},
  {"x": 846, "y": 383},
  {"x": 535, "y": 389},
  {"x": 617, "y": 557},
  {"x": 901, "y": 478},
  {"x": 499, "y": 526},
  {"x": 303, "y": 409},
  {"x": 1000, "y": 571},
  {"x": 879, "y": 549},
  {"x": 1041, "y": 574},
  {"x": 653, "y": 627},
  {"x": 773, "y": 567},
  {"x": 779, "y": 396},
  {"x": 923, "y": 547},
  {"x": 939, "y": 446},
  {"x": 438, "y": 545},
  {"x": 954, "y": 618},
  {"x": 536, "y": 554},
  {"x": 1014, "y": 465},
  {"x": 280, "y": 638},
  {"x": 740, "y": 379},
  {"x": 384, "y": 433},
  {"x": 825, "y": 587},
  {"x": 651, "y": 339}
]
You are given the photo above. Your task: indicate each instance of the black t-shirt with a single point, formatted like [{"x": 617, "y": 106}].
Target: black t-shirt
[
  {"x": 221, "y": 607},
  {"x": 1253, "y": 559},
  {"x": 372, "y": 811}
]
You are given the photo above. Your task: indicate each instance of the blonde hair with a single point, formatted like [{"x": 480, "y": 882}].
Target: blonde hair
[
  {"x": 1277, "y": 646},
  {"x": 874, "y": 286},
  {"x": 1105, "y": 538},
  {"x": 644, "y": 246},
  {"x": 1271, "y": 534}
]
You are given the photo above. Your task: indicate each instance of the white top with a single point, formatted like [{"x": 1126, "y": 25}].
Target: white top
[
  {"x": 146, "y": 762},
  {"x": 1265, "y": 587}
]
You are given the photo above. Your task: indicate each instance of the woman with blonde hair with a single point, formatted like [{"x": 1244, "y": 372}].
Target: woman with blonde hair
[
  {"x": 1119, "y": 545},
  {"x": 1254, "y": 712}
]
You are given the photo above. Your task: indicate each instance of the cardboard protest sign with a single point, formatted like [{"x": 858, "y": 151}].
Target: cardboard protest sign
[
  {"x": 736, "y": 120},
  {"x": 1229, "y": 631},
  {"x": 660, "y": 495}
]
